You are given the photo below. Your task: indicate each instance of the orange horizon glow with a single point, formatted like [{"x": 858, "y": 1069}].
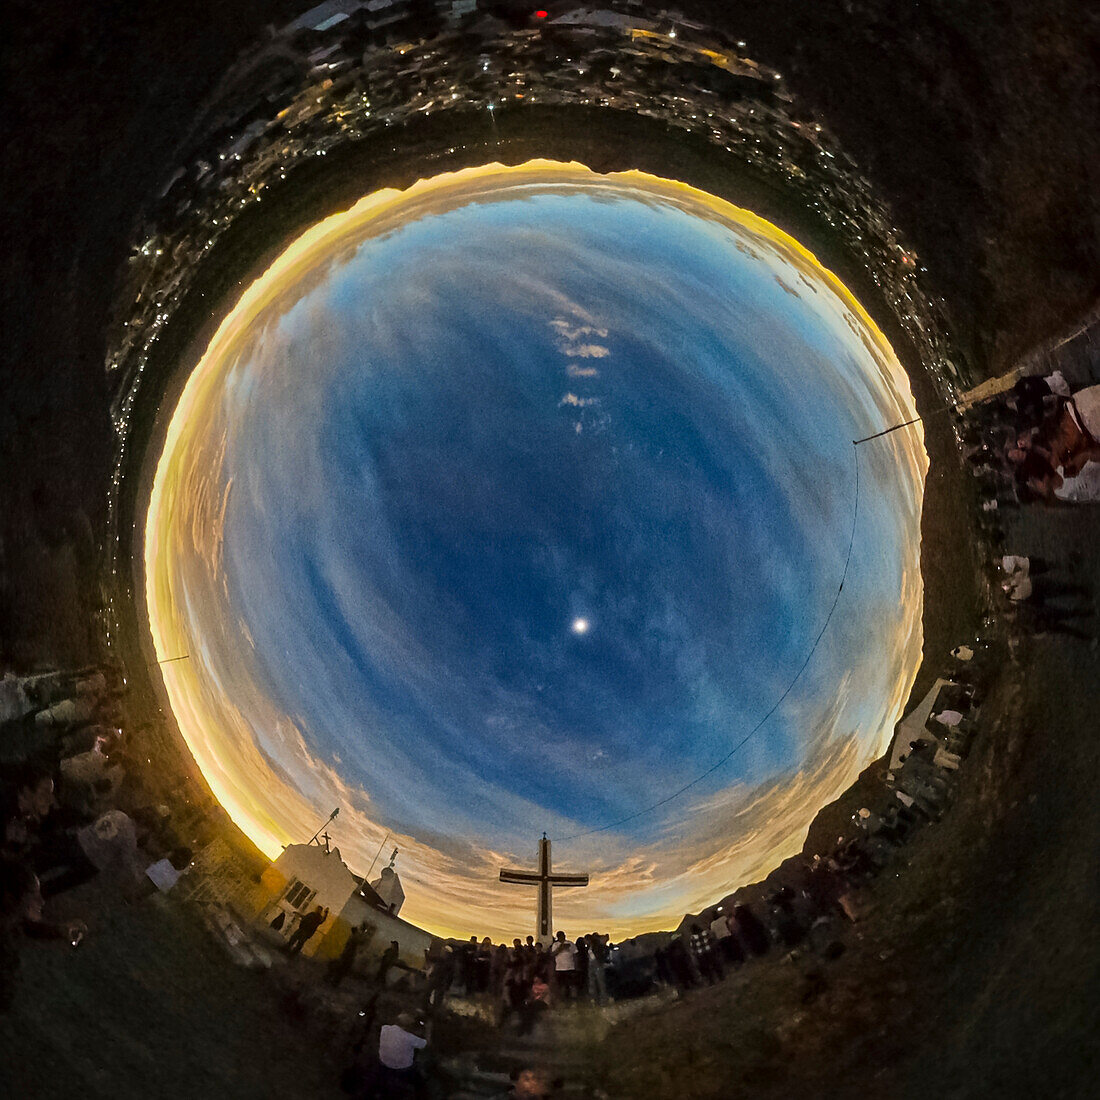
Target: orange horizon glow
[{"x": 760, "y": 827}]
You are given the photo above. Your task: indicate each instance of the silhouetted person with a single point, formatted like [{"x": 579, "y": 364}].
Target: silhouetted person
[
  {"x": 340, "y": 967},
  {"x": 497, "y": 967},
  {"x": 388, "y": 959},
  {"x": 305, "y": 930},
  {"x": 679, "y": 964},
  {"x": 705, "y": 955},
  {"x": 513, "y": 990},
  {"x": 787, "y": 925},
  {"x": 753, "y": 933},
  {"x": 664, "y": 971},
  {"x": 440, "y": 977}
]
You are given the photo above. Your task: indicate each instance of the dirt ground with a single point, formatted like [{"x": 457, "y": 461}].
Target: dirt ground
[{"x": 149, "y": 1006}]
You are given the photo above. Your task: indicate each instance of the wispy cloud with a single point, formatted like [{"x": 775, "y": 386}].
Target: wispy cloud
[
  {"x": 340, "y": 658},
  {"x": 586, "y": 351}
]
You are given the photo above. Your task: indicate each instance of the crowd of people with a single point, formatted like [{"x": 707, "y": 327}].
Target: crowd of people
[
  {"x": 1040, "y": 441},
  {"x": 71, "y": 809},
  {"x": 521, "y": 980}
]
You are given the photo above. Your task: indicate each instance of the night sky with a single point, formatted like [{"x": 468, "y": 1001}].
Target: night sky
[{"x": 511, "y": 503}]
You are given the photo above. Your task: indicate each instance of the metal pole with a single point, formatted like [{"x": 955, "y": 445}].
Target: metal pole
[
  {"x": 376, "y": 855},
  {"x": 915, "y": 420},
  {"x": 331, "y": 817}
]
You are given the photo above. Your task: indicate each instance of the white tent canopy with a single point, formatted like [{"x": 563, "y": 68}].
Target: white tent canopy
[{"x": 911, "y": 727}]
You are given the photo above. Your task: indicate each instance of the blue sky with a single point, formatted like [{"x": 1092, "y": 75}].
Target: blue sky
[{"x": 546, "y": 404}]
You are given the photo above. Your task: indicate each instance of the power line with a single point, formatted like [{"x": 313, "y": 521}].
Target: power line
[{"x": 759, "y": 725}]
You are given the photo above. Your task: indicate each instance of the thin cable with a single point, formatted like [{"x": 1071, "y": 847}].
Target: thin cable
[{"x": 759, "y": 725}]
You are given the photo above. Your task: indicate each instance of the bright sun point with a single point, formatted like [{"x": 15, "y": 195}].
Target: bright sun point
[{"x": 580, "y": 626}]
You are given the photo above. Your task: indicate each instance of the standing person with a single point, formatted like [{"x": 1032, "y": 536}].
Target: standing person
[
  {"x": 388, "y": 959},
  {"x": 706, "y": 958},
  {"x": 307, "y": 926},
  {"x": 584, "y": 959},
  {"x": 513, "y": 990},
  {"x": 679, "y": 964},
  {"x": 540, "y": 963},
  {"x": 465, "y": 957},
  {"x": 597, "y": 967},
  {"x": 752, "y": 931},
  {"x": 397, "y": 1046},
  {"x": 723, "y": 938},
  {"x": 498, "y": 964},
  {"x": 537, "y": 1002},
  {"x": 440, "y": 977},
  {"x": 340, "y": 967},
  {"x": 735, "y": 951},
  {"x": 787, "y": 925},
  {"x": 564, "y": 954},
  {"x": 483, "y": 965}
]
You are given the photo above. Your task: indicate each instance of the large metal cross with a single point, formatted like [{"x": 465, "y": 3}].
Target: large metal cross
[{"x": 545, "y": 881}]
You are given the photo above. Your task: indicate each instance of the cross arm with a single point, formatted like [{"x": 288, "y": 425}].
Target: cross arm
[
  {"x": 524, "y": 878},
  {"x": 568, "y": 880}
]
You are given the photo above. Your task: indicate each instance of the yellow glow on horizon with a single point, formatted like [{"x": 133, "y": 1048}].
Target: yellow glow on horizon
[{"x": 235, "y": 770}]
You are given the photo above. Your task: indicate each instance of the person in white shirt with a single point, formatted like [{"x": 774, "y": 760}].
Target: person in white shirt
[
  {"x": 398, "y": 1043},
  {"x": 397, "y": 1047},
  {"x": 1017, "y": 582},
  {"x": 723, "y": 937},
  {"x": 564, "y": 954}
]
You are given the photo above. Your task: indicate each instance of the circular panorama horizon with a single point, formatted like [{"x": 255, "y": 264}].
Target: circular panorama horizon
[{"x": 515, "y": 502}]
